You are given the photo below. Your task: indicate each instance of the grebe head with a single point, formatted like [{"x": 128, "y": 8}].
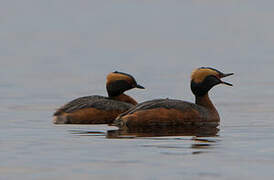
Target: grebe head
[
  {"x": 119, "y": 82},
  {"x": 204, "y": 78}
]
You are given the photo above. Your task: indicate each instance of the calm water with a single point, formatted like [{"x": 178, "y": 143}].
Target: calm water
[{"x": 54, "y": 51}]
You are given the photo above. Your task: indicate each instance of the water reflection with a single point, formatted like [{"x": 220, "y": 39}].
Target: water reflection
[
  {"x": 170, "y": 141},
  {"x": 194, "y": 131},
  {"x": 87, "y": 133},
  {"x": 188, "y": 141}
]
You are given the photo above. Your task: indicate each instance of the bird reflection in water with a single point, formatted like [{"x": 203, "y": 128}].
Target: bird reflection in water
[
  {"x": 201, "y": 141},
  {"x": 200, "y": 138},
  {"x": 166, "y": 131}
]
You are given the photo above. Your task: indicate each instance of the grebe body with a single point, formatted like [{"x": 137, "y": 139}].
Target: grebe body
[
  {"x": 99, "y": 109},
  {"x": 171, "y": 112}
]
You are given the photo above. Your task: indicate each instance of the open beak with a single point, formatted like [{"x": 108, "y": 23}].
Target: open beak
[
  {"x": 225, "y": 75},
  {"x": 139, "y": 86}
]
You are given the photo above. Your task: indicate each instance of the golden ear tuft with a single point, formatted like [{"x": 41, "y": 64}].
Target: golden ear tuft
[
  {"x": 198, "y": 75},
  {"x": 111, "y": 77}
]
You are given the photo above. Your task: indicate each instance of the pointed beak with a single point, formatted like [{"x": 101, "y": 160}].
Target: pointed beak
[
  {"x": 139, "y": 86},
  {"x": 225, "y": 75},
  {"x": 226, "y": 83}
]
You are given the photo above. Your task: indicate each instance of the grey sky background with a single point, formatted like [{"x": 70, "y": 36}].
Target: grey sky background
[{"x": 66, "y": 44}]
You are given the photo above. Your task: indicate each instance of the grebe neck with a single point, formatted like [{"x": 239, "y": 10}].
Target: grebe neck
[
  {"x": 206, "y": 102},
  {"x": 125, "y": 98}
]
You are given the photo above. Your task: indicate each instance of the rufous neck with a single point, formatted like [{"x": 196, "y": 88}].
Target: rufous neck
[
  {"x": 124, "y": 98},
  {"x": 205, "y": 102}
]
